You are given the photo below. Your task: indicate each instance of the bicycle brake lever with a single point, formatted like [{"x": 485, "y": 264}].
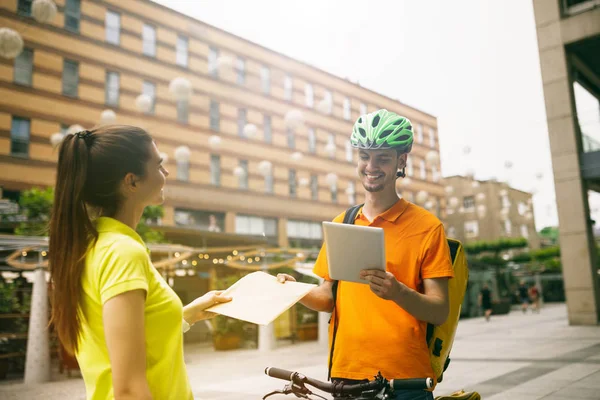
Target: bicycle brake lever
[{"x": 299, "y": 391}]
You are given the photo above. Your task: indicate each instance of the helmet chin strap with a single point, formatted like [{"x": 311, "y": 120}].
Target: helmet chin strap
[{"x": 401, "y": 174}]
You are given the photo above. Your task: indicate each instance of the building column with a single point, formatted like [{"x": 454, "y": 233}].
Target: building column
[
  {"x": 168, "y": 217},
  {"x": 575, "y": 233},
  {"x": 37, "y": 360},
  {"x": 230, "y": 222},
  {"x": 266, "y": 337},
  {"x": 282, "y": 237}
]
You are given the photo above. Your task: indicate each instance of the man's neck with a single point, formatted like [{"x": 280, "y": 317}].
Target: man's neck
[{"x": 378, "y": 202}]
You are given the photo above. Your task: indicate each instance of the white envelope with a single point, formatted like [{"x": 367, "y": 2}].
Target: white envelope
[{"x": 259, "y": 298}]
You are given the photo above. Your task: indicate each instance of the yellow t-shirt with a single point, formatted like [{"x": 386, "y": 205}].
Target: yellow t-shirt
[
  {"x": 120, "y": 262},
  {"x": 375, "y": 334}
]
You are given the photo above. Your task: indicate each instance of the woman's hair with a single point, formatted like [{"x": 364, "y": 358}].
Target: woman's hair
[{"x": 91, "y": 168}]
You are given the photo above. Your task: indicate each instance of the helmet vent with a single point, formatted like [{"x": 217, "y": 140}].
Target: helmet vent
[
  {"x": 375, "y": 121},
  {"x": 397, "y": 122},
  {"x": 386, "y": 133},
  {"x": 362, "y": 132},
  {"x": 403, "y": 138}
]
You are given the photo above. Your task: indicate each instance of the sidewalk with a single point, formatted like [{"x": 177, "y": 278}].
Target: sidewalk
[{"x": 517, "y": 356}]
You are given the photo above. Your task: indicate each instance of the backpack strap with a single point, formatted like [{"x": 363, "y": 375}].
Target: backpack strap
[{"x": 349, "y": 218}]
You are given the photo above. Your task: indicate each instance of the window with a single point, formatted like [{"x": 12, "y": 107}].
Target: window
[
  {"x": 288, "y": 88},
  {"x": 23, "y": 74},
  {"x": 451, "y": 232},
  {"x": 251, "y": 225},
  {"x": 183, "y": 170},
  {"x": 182, "y": 111},
  {"x": 309, "y": 94},
  {"x": 312, "y": 141},
  {"x": 24, "y": 7},
  {"x": 524, "y": 231},
  {"x": 241, "y": 71},
  {"x": 149, "y": 40},
  {"x": 505, "y": 201},
  {"x": 314, "y": 187},
  {"x": 349, "y": 152},
  {"x": 331, "y": 146},
  {"x": 268, "y": 129},
  {"x": 292, "y": 182},
  {"x": 112, "y": 88},
  {"x": 72, "y": 15},
  {"x": 269, "y": 182},
  {"x": 149, "y": 89},
  {"x": 304, "y": 230},
  {"x": 409, "y": 167},
  {"x": 419, "y": 133},
  {"x": 423, "y": 169},
  {"x": 435, "y": 173},
  {"x": 181, "y": 51},
  {"x": 243, "y": 178},
  {"x": 431, "y": 138},
  {"x": 351, "y": 193},
  {"x": 328, "y": 97},
  {"x": 19, "y": 137},
  {"x": 265, "y": 79},
  {"x": 200, "y": 219},
  {"x": 242, "y": 120},
  {"x": 333, "y": 189},
  {"x": 363, "y": 108},
  {"x": 347, "y": 110},
  {"x": 522, "y": 208},
  {"x": 469, "y": 203},
  {"x": 213, "y": 67},
  {"x": 291, "y": 138},
  {"x": 507, "y": 227},
  {"x": 215, "y": 118},
  {"x": 471, "y": 229},
  {"x": 70, "y": 78},
  {"x": 215, "y": 169},
  {"x": 112, "y": 26}
]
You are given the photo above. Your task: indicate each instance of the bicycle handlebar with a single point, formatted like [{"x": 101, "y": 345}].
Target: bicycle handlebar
[{"x": 343, "y": 389}]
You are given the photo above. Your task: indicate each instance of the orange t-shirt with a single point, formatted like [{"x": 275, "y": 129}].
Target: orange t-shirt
[{"x": 375, "y": 334}]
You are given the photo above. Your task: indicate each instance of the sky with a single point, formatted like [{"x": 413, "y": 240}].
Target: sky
[{"x": 473, "y": 64}]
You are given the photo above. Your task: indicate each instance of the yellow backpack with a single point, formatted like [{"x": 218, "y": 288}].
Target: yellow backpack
[{"x": 439, "y": 338}]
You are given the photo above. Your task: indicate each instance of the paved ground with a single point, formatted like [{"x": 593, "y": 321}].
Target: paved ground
[{"x": 517, "y": 357}]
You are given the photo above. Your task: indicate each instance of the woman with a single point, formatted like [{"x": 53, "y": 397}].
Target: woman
[{"x": 110, "y": 306}]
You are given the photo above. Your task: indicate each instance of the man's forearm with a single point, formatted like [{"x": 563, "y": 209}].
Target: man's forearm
[
  {"x": 320, "y": 298},
  {"x": 430, "y": 309}
]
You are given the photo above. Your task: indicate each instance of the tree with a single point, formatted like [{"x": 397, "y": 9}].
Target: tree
[
  {"x": 151, "y": 215},
  {"x": 36, "y": 206}
]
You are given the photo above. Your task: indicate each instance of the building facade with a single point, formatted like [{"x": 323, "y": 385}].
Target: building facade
[
  {"x": 488, "y": 211},
  {"x": 568, "y": 33},
  {"x": 99, "y": 55}
]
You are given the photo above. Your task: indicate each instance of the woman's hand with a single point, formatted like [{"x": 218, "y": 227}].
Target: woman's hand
[{"x": 195, "y": 311}]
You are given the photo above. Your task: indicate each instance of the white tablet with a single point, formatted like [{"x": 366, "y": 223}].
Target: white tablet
[{"x": 352, "y": 248}]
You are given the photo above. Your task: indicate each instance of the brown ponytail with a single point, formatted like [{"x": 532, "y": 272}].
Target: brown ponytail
[{"x": 91, "y": 167}]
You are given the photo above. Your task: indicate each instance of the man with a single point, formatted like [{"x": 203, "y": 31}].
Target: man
[
  {"x": 382, "y": 325},
  {"x": 485, "y": 301},
  {"x": 523, "y": 293}
]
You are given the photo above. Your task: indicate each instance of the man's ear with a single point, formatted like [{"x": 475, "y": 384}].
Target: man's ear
[{"x": 402, "y": 161}]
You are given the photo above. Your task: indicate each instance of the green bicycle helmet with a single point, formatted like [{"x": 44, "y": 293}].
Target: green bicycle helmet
[{"x": 382, "y": 129}]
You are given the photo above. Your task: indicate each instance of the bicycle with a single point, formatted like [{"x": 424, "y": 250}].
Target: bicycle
[{"x": 377, "y": 389}]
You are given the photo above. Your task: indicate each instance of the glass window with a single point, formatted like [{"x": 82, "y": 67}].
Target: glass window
[
  {"x": 23, "y": 74},
  {"x": 213, "y": 67},
  {"x": 314, "y": 187},
  {"x": 265, "y": 79},
  {"x": 241, "y": 70},
  {"x": 347, "y": 110},
  {"x": 288, "y": 87},
  {"x": 242, "y": 121},
  {"x": 149, "y": 89},
  {"x": 363, "y": 108},
  {"x": 469, "y": 203},
  {"x": 70, "y": 78},
  {"x": 334, "y": 192},
  {"x": 588, "y": 117},
  {"x": 507, "y": 227},
  {"x": 409, "y": 167},
  {"x": 292, "y": 182},
  {"x": 181, "y": 51},
  {"x": 431, "y": 138},
  {"x": 24, "y": 7},
  {"x": 182, "y": 111},
  {"x": 309, "y": 94},
  {"x": 471, "y": 229},
  {"x": 349, "y": 152},
  {"x": 72, "y": 15},
  {"x": 112, "y": 26},
  {"x": 268, "y": 129},
  {"x": 215, "y": 116},
  {"x": 19, "y": 137},
  {"x": 423, "y": 169},
  {"x": 183, "y": 171},
  {"x": 524, "y": 231},
  {"x": 215, "y": 169},
  {"x": 419, "y": 133},
  {"x": 243, "y": 179},
  {"x": 291, "y": 138},
  {"x": 312, "y": 141},
  {"x": 269, "y": 183},
  {"x": 251, "y": 225},
  {"x": 351, "y": 193},
  {"x": 112, "y": 88},
  {"x": 149, "y": 40}
]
